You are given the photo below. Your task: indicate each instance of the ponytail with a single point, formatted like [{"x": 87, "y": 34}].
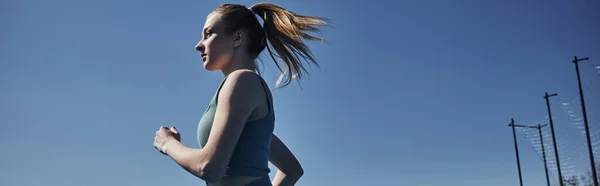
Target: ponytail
[{"x": 285, "y": 31}]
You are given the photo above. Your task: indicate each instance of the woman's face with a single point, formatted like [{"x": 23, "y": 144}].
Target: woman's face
[{"x": 216, "y": 47}]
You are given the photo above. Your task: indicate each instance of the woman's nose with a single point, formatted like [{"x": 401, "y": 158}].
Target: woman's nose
[{"x": 200, "y": 47}]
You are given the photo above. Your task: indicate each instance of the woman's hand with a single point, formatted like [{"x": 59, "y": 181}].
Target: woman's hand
[{"x": 164, "y": 136}]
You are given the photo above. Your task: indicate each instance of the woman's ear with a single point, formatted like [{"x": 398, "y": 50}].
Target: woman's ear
[{"x": 238, "y": 37}]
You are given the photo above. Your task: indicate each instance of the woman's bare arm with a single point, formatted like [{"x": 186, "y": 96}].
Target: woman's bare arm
[
  {"x": 289, "y": 169},
  {"x": 235, "y": 106}
]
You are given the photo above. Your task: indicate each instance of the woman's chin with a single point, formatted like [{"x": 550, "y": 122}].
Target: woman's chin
[{"x": 209, "y": 66}]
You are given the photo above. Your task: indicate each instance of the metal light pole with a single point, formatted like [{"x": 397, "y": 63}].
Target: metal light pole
[
  {"x": 547, "y": 97},
  {"x": 585, "y": 121},
  {"x": 539, "y": 127},
  {"x": 512, "y": 124}
]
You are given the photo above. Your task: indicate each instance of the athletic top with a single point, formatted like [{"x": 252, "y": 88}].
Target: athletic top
[{"x": 251, "y": 154}]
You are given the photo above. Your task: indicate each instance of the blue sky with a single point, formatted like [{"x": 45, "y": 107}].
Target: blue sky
[{"x": 408, "y": 93}]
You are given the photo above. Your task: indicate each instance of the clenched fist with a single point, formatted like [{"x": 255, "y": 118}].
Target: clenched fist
[{"x": 163, "y": 136}]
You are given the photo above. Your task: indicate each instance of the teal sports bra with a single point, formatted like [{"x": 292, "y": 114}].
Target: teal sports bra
[{"x": 251, "y": 154}]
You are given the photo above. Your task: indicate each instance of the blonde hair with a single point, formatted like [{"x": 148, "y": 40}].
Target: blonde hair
[{"x": 283, "y": 29}]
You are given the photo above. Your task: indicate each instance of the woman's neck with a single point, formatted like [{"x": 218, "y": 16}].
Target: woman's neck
[{"x": 237, "y": 63}]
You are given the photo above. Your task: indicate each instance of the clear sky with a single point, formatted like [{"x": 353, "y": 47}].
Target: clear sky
[{"x": 408, "y": 93}]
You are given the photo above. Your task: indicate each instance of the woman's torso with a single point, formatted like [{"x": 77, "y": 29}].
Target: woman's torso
[{"x": 249, "y": 161}]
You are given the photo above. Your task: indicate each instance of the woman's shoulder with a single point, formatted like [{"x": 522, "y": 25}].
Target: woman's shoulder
[
  {"x": 243, "y": 76},
  {"x": 242, "y": 83},
  {"x": 241, "y": 73}
]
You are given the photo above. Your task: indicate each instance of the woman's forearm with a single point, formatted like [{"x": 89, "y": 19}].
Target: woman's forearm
[
  {"x": 283, "y": 179},
  {"x": 186, "y": 157},
  {"x": 289, "y": 169},
  {"x": 194, "y": 161}
]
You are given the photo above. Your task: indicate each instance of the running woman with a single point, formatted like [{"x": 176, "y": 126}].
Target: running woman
[{"x": 235, "y": 133}]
